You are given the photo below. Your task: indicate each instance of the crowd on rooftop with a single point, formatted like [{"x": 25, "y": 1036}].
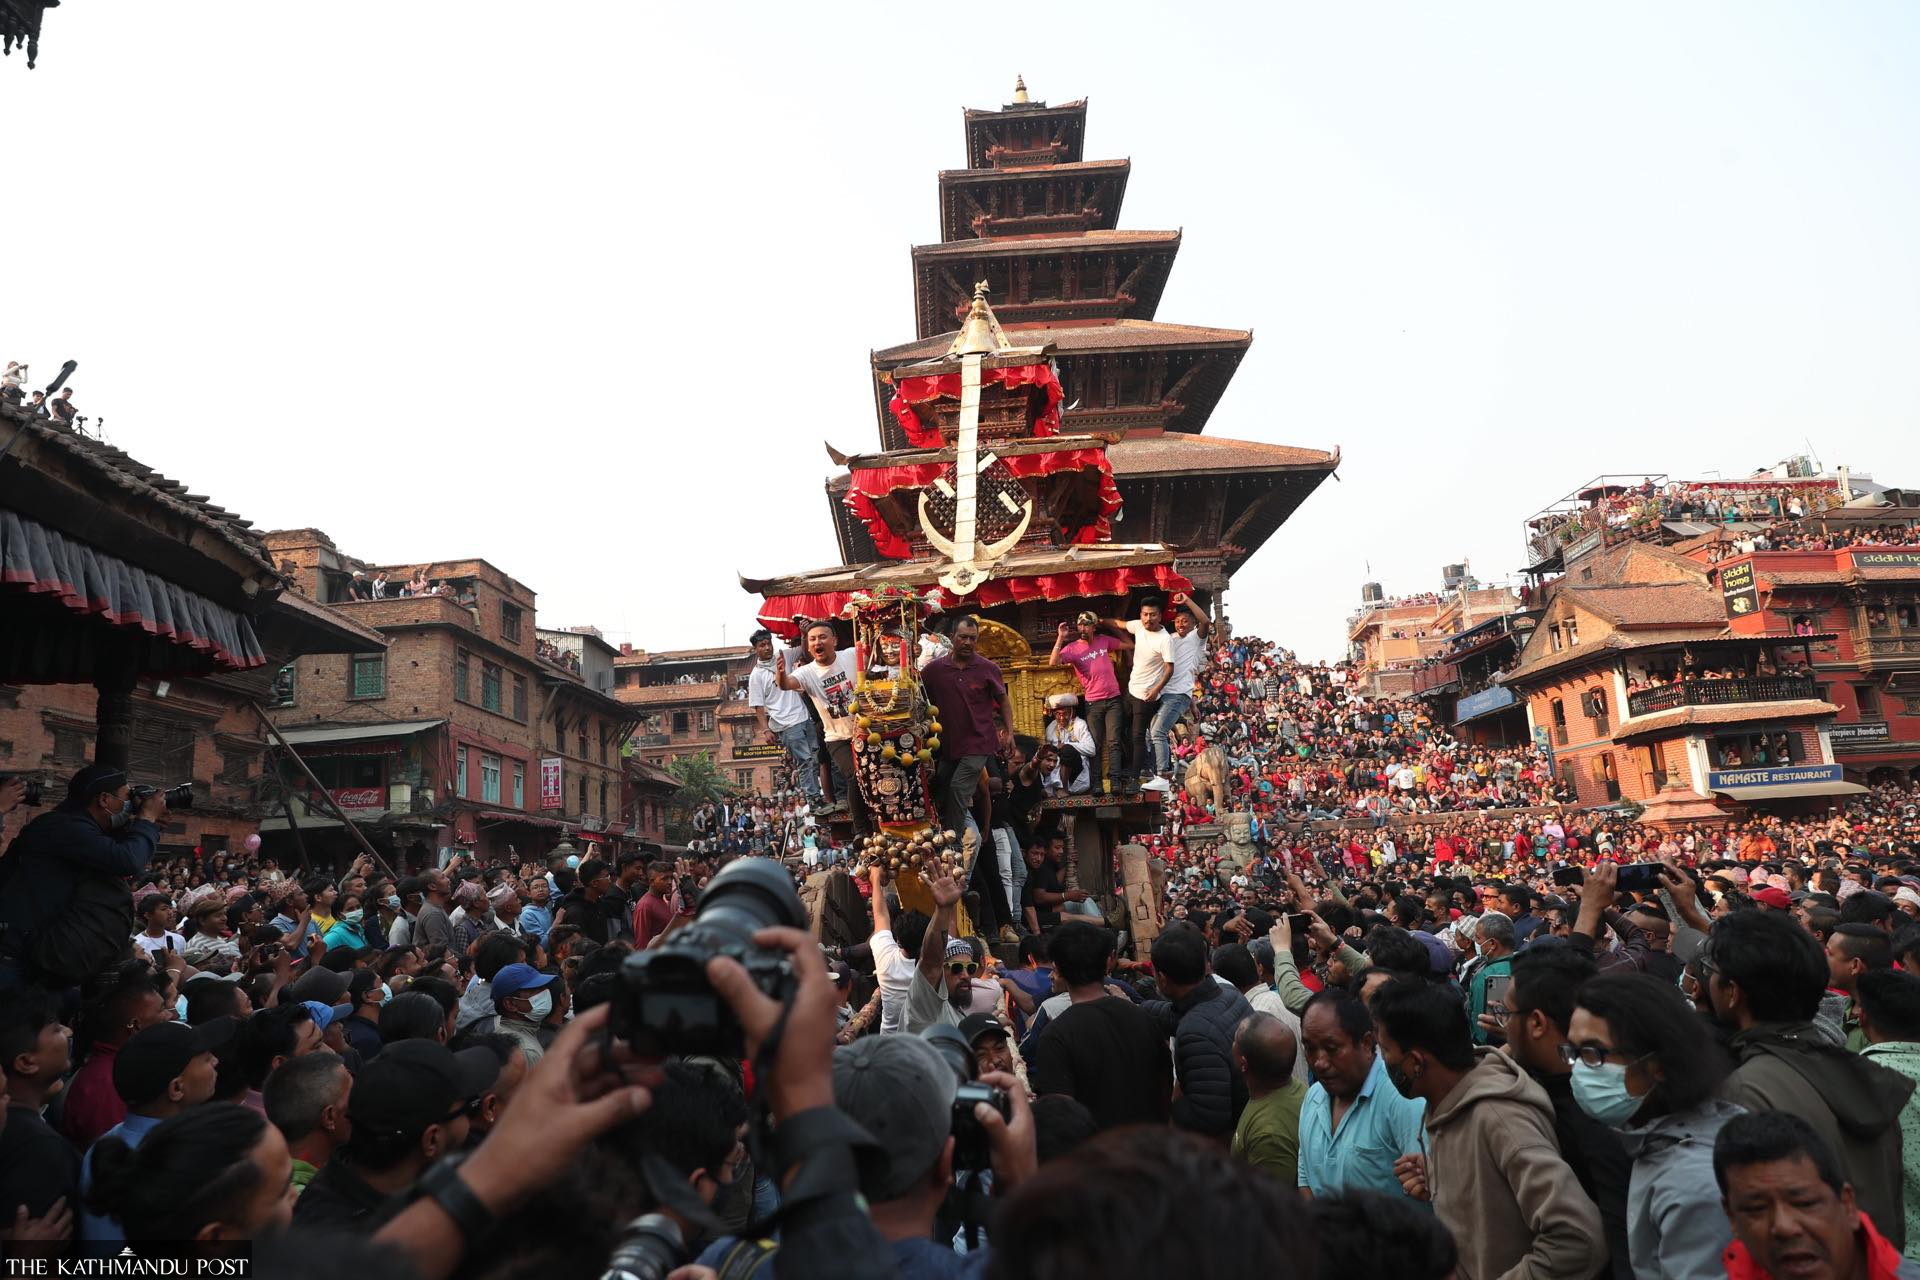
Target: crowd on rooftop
[
  {"x": 59, "y": 407},
  {"x": 1411, "y": 1015}
]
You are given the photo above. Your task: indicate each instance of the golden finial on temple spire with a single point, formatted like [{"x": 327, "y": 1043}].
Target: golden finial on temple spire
[
  {"x": 1020, "y": 89},
  {"x": 980, "y": 334}
]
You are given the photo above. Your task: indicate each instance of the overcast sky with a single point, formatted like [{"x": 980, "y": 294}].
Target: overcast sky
[{"x": 581, "y": 288}]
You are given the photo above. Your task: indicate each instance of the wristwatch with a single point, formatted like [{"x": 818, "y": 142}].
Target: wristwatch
[{"x": 443, "y": 1185}]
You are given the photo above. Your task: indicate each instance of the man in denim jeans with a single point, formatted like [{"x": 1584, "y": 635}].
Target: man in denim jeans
[
  {"x": 783, "y": 715},
  {"x": 1187, "y": 654}
]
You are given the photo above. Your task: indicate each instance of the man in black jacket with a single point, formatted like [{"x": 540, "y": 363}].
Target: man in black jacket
[
  {"x": 90, "y": 837},
  {"x": 1540, "y": 1005},
  {"x": 1200, "y": 1013}
]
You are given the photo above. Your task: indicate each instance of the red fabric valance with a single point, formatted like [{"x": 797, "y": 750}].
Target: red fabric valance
[
  {"x": 870, "y": 483},
  {"x": 777, "y": 612},
  {"x": 908, "y": 392}
]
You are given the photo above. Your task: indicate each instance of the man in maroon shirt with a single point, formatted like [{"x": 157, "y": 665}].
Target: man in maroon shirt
[
  {"x": 973, "y": 720},
  {"x": 654, "y": 912}
]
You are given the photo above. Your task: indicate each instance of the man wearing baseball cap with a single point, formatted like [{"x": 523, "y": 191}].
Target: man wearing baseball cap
[
  {"x": 1088, "y": 656},
  {"x": 525, "y": 998},
  {"x": 1772, "y": 897},
  {"x": 410, "y": 1106},
  {"x": 990, "y": 1041},
  {"x": 901, "y": 1091},
  {"x": 159, "y": 1072}
]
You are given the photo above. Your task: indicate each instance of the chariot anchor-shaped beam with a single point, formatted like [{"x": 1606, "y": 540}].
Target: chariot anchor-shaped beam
[{"x": 973, "y": 560}]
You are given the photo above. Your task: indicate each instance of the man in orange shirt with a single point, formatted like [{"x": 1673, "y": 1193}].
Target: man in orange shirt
[{"x": 1756, "y": 845}]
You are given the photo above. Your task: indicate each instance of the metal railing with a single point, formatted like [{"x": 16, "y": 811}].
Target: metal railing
[{"x": 1718, "y": 693}]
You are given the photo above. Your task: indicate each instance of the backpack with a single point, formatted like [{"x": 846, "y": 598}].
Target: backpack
[{"x": 748, "y": 1260}]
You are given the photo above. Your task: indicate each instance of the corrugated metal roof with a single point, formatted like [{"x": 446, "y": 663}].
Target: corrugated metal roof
[{"x": 358, "y": 732}]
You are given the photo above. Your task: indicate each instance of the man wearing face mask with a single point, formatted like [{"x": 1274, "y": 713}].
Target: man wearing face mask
[
  {"x": 523, "y": 996},
  {"x": 1492, "y": 1167},
  {"x": 366, "y": 993},
  {"x": 62, "y": 899},
  {"x": 1494, "y": 939}
]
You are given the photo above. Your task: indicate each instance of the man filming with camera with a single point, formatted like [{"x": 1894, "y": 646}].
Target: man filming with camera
[{"x": 65, "y": 911}]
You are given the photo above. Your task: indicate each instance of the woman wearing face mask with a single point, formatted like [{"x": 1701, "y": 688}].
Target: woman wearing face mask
[
  {"x": 1645, "y": 1064},
  {"x": 348, "y": 929}
]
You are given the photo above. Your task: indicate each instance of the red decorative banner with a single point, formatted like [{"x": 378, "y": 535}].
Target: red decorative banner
[
  {"x": 867, "y": 484},
  {"x": 777, "y": 612},
  {"x": 551, "y": 795},
  {"x": 908, "y": 392}
]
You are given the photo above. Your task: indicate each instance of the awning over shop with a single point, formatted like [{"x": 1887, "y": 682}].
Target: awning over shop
[
  {"x": 358, "y": 732},
  {"x": 504, "y": 815},
  {"x": 180, "y": 631},
  {"x": 1791, "y": 790}
]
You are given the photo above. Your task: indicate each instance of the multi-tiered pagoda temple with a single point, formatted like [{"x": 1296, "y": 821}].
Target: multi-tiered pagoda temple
[{"x": 1128, "y": 496}]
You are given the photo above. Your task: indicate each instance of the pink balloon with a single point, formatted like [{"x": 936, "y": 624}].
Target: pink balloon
[{"x": 252, "y": 843}]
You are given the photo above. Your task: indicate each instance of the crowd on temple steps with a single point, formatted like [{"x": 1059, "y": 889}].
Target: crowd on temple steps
[{"x": 1411, "y": 1015}]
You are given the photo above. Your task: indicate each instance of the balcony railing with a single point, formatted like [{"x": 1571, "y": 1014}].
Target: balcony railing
[
  {"x": 655, "y": 694},
  {"x": 1719, "y": 693}
]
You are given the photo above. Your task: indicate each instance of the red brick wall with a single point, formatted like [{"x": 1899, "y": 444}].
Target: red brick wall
[{"x": 217, "y": 744}]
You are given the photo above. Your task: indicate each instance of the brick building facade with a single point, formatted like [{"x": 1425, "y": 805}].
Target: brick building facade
[
  {"x": 1634, "y": 679},
  {"x": 695, "y": 700},
  {"x": 472, "y": 728}
]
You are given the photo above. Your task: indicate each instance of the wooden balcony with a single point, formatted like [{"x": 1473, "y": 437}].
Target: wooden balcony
[
  {"x": 1886, "y": 651},
  {"x": 1720, "y": 693}
]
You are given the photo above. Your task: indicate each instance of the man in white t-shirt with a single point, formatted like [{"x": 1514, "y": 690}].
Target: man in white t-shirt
[
  {"x": 156, "y": 918},
  {"x": 892, "y": 966},
  {"x": 829, "y": 681},
  {"x": 1152, "y": 667},
  {"x": 783, "y": 716},
  {"x": 1186, "y": 654}
]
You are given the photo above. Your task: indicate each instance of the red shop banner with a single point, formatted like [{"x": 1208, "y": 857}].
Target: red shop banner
[{"x": 550, "y": 787}]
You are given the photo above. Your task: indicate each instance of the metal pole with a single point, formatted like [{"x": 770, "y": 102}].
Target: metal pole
[{"x": 322, "y": 791}]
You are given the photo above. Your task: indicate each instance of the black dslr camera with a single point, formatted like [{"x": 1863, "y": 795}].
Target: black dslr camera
[
  {"x": 663, "y": 1003},
  {"x": 36, "y": 788},
  {"x": 970, "y": 1150},
  {"x": 178, "y": 797}
]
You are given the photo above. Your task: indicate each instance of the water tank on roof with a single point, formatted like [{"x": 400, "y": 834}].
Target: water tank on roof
[
  {"x": 1453, "y": 575},
  {"x": 1372, "y": 593}
]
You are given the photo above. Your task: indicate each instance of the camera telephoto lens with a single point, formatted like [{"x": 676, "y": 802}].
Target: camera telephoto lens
[{"x": 664, "y": 1004}]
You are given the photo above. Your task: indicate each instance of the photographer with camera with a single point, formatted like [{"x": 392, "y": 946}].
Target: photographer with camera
[
  {"x": 65, "y": 911},
  {"x": 910, "y": 1090},
  {"x": 774, "y": 994}
]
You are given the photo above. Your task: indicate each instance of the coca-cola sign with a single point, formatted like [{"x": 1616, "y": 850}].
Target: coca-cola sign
[{"x": 360, "y": 798}]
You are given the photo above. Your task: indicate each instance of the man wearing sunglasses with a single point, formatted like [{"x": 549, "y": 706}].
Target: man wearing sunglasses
[
  {"x": 410, "y": 1106},
  {"x": 941, "y": 989}
]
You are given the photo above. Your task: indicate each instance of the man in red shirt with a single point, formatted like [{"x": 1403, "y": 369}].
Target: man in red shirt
[{"x": 654, "y": 912}]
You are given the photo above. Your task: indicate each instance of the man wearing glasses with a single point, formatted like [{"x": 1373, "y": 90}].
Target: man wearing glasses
[{"x": 941, "y": 992}]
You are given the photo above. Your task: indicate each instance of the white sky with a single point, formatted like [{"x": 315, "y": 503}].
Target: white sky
[{"x": 580, "y": 288}]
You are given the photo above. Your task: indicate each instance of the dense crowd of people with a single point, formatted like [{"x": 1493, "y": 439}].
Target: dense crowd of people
[{"x": 1397, "y": 1010}]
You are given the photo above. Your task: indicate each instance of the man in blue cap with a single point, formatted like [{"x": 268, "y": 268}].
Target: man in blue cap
[{"x": 526, "y": 998}]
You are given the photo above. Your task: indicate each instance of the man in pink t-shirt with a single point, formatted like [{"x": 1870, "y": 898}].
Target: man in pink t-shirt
[{"x": 1098, "y": 683}]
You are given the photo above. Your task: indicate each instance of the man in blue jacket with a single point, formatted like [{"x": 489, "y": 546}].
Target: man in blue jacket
[
  {"x": 1200, "y": 1013},
  {"x": 89, "y": 838}
]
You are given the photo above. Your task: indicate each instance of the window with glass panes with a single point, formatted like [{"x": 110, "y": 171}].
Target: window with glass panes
[
  {"x": 490, "y": 675},
  {"x": 490, "y": 779},
  {"x": 520, "y": 699},
  {"x": 519, "y": 785},
  {"x": 369, "y": 675},
  {"x": 460, "y": 674},
  {"x": 509, "y": 622},
  {"x": 460, "y": 771},
  {"x": 583, "y": 795}
]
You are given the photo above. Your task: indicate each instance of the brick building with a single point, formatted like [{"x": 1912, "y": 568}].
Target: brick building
[
  {"x": 471, "y": 728},
  {"x": 1634, "y": 678},
  {"x": 1388, "y": 640},
  {"x": 139, "y": 624},
  {"x": 695, "y": 700},
  {"x": 1860, "y": 607}
]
